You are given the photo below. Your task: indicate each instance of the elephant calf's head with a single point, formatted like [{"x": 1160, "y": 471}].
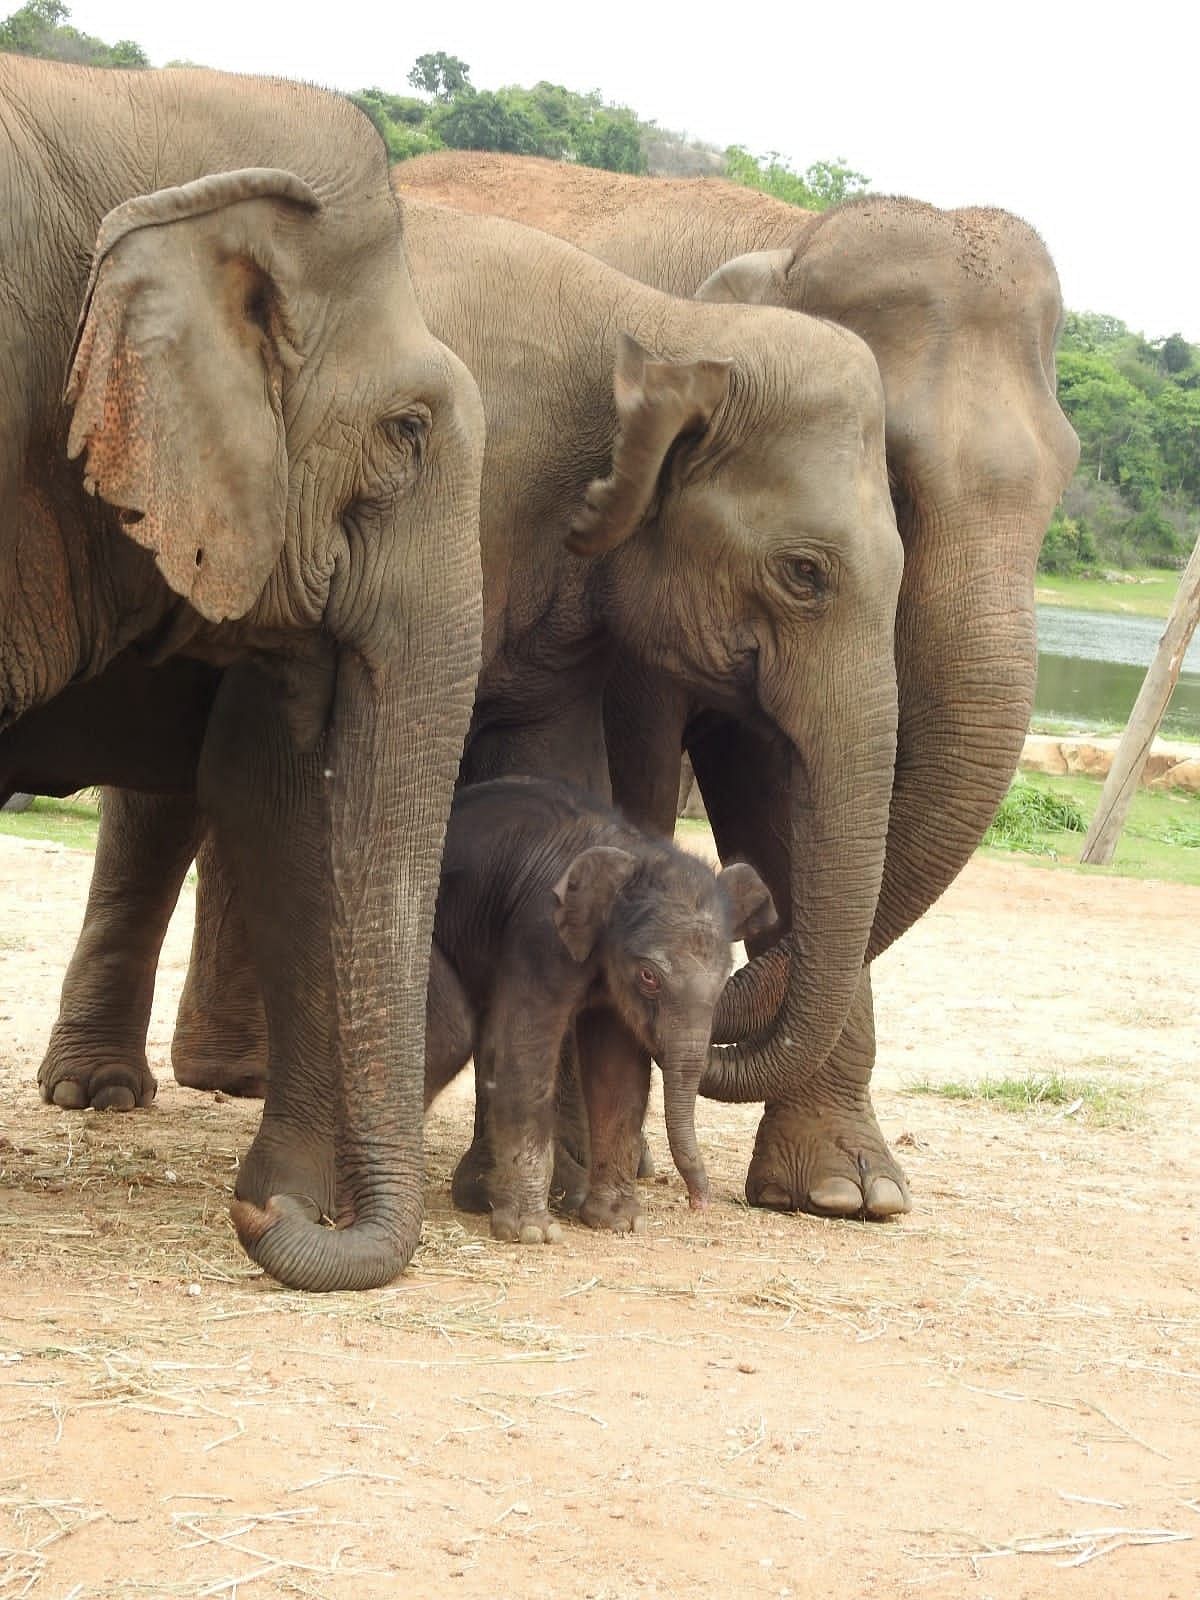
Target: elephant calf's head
[{"x": 660, "y": 925}]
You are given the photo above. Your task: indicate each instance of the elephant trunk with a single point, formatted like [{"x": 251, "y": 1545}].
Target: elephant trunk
[
  {"x": 380, "y": 954},
  {"x": 682, "y": 1069},
  {"x": 400, "y": 718},
  {"x": 966, "y": 650},
  {"x": 787, "y": 1008}
]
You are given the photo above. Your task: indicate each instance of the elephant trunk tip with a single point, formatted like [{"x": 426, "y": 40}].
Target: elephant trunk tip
[
  {"x": 698, "y": 1195},
  {"x": 291, "y": 1243}
]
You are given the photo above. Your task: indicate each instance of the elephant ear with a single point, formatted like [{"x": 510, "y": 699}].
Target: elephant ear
[
  {"x": 658, "y": 402},
  {"x": 175, "y": 381},
  {"x": 757, "y": 279},
  {"x": 751, "y": 908},
  {"x": 584, "y": 895}
]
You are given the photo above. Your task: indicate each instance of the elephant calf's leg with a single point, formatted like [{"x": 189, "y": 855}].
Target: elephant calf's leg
[
  {"x": 518, "y": 1060},
  {"x": 449, "y": 1026},
  {"x": 615, "y": 1073},
  {"x": 97, "y": 1050},
  {"x": 821, "y": 1150},
  {"x": 220, "y": 1030}
]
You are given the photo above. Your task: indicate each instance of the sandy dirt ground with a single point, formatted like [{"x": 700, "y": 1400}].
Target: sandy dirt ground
[{"x": 997, "y": 1397}]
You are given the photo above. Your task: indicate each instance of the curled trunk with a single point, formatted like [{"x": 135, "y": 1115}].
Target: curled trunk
[{"x": 787, "y": 1009}]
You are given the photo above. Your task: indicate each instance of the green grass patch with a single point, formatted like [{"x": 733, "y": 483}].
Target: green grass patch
[
  {"x": 1092, "y": 1099},
  {"x": 1150, "y": 596},
  {"x": 1028, "y": 813},
  {"x": 73, "y": 822},
  {"x": 1161, "y": 838}
]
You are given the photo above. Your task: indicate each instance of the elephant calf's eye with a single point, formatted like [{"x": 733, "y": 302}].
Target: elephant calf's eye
[{"x": 649, "y": 981}]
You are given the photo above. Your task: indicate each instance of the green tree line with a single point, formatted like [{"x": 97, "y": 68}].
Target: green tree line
[{"x": 1135, "y": 404}]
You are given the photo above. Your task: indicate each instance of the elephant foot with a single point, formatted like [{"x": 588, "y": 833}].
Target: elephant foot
[
  {"x": 75, "y": 1075},
  {"x": 532, "y": 1227},
  {"x": 830, "y": 1162},
  {"x": 616, "y": 1210},
  {"x": 236, "y": 1065},
  {"x": 469, "y": 1186}
]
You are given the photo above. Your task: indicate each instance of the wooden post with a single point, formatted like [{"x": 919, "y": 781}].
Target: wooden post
[{"x": 1125, "y": 773}]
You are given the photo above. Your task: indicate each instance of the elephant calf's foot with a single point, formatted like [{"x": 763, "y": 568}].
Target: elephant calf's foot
[
  {"x": 75, "y": 1076},
  {"x": 569, "y": 1183},
  {"x": 530, "y": 1227},
  {"x": 469, "y": 1185},
  {"x": 832, "y": 1163},
  {"x": 617, "y": 1210}
]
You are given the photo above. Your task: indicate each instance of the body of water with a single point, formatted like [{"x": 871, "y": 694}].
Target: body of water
[{"x": 1091, "y": 665}]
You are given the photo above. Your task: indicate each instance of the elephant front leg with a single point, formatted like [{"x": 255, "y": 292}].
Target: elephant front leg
[
  {"x": 614, "y": 1072},
  {"x": 821, "y": 1150},
  {"x": 220, "y": 1037},
  {"x": 518, "y": 1060},
  {"x": 97, "y": 1050}
]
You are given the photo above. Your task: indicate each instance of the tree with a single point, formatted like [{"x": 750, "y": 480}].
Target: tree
[
  {"x": 440, "y": 75},
  {"x": 484, "y": 121},
  {"x": 823, "y": 184},
  {"x": 1177, "y": 354},
  {"x": 40, "y": 28}
]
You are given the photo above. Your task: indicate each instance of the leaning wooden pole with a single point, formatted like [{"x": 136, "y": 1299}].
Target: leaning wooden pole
[{"x": 1125, "y": 773}]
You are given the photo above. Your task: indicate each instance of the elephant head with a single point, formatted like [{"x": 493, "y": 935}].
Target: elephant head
[
  {"x": 748, "y": 550},
  {"x": 661, "y": 924},
  {"x": 961, "y": 310},
  {"x": 255, "y": 393}
]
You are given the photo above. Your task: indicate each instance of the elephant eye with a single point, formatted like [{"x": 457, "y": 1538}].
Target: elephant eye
[
  {"x": 805, "y": 577},
  {"x": 408, "y": 432},
  {"x": 649, "y": 981}
]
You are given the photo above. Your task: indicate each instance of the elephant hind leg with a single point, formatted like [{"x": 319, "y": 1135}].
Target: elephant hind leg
[
  {"x": 220, "y": 1039},
  {"x": 97, "y": 1050}
]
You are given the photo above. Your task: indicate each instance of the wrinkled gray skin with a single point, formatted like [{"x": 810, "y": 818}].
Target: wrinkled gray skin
[
  {"x": 961, "y": 310},
  {"x": 720, "y": 478},
  {"x": 551, "y": 906},
  {"x": 240, "y": 564}
]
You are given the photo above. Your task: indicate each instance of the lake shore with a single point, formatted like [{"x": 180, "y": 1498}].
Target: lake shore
[{"x": 1144, "y": 592}]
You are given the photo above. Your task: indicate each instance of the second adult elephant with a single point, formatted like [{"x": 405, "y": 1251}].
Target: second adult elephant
[
  {"x": 961, "y": 310},
  {"x": 717, "y": 475}
]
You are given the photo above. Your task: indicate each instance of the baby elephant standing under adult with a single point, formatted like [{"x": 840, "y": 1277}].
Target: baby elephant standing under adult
[{"x": 549, "y": 904}]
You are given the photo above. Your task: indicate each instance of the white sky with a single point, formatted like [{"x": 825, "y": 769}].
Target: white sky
[{"x": 1080, "y": 117}]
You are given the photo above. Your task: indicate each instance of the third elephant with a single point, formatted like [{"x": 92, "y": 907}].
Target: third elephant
[{"x": 961, "y": 310}]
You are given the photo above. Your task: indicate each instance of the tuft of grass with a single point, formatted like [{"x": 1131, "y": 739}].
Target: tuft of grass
[
  {"x": 1100, "y": 1102},
  {"x": 73, "y": 822},
  {"x": 1029, "y": 811},
  {"x": 1159, "y": 840}
]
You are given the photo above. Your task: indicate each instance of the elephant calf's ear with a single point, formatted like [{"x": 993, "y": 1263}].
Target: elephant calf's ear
[
  {"x": 175, "y": 382},
  {"x": 756, "y": 279},
  {"x": 751, "y": 908},
  {"x": 584, "y": 895},
  {"x": 658, "y": 402}
]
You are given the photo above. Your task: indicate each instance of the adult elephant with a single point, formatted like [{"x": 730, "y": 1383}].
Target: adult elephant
[
  {"x": 242, "y": 559},
  {"x": 961, "y": 310},
  {"x": 717, "y": 474}
]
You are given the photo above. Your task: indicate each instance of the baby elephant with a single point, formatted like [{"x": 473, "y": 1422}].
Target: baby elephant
[{"x": 550, "y": 903}]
